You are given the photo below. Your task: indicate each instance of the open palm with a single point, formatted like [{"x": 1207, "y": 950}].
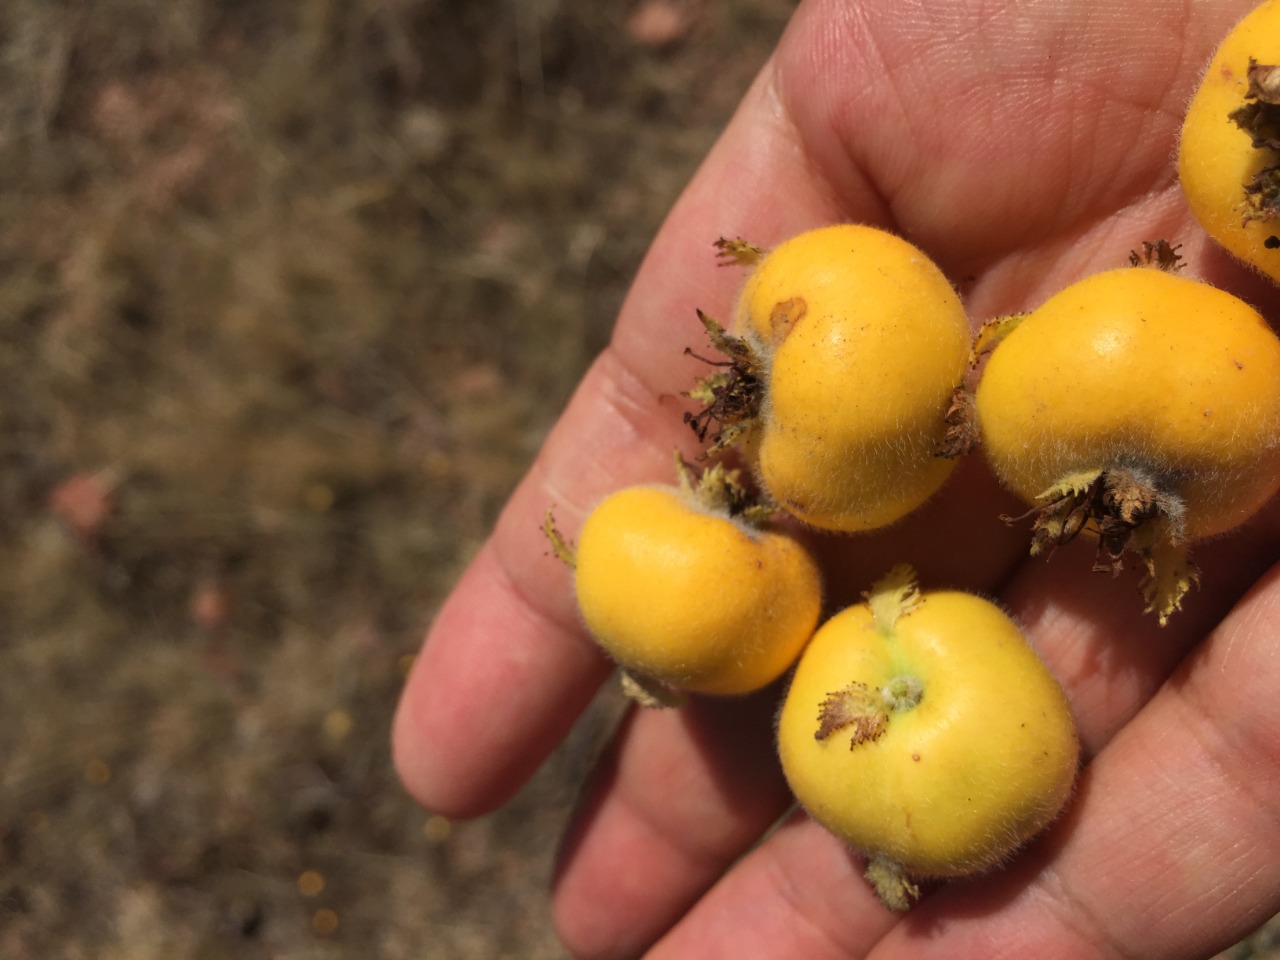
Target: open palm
[{"x": 1022, "y": 146}]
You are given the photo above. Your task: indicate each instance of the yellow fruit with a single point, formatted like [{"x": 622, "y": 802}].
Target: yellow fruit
[
  {"x": 1232, "y": 182},
  {"x": 857, "y": 343},
  {"x": 1140, "y": 404},
  {"x": 679, "y": 592},
  {"x": 925, "y": 732}
]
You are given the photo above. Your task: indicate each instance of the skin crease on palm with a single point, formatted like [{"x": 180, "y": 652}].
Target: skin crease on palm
[{"x": 1022, "y": 146}]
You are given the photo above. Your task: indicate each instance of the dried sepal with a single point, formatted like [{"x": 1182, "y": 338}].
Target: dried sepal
[
  {"x": 893, "y": 596},
  {"x": 735, "y": 348},
  {"x": 1262, "y": 195},
  {"x": 1160, "y": 254},
  {"x": 710, "y": 388},
  {"x": 991, "y": 333},
  {"x": 1130, "y": 513},
  {"x": 738, "y": 252},
  {"x": 962, "y": 434},
  {"x": 891, "y": 884},
  {"x": 731, "y": 396},
  {"x": 856, "y": 709},
  {"x": 648, "y": 692},
  {"x": 1264, "y": 82},
  {"x": 561, "y": 548},
  {"x": 1260, "y": 119},
  {"x": 1064, "y": 510},
  {"x": 721, "y": 489},
  {"x": 1170, "y": 575}
]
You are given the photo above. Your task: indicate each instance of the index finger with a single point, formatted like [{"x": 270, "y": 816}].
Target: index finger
[{"x": 507, "y": 667}]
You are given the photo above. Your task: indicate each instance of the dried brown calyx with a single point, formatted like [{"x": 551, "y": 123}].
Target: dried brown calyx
[
  {"x": 863, "y": 712},
  {"x": 736, "y": 252},
  {"x": 717, "y": 488},
  {"x": 721, "y": 489},
  {"x": 1260, "y": 119},
  {"x": 1160, "y": 254},
  {"x": 892, "y": 885},
  {"x": 731, "y": 396},
  {"x": 1130, "y": 513},
  {"x": 962, "y": 434}
]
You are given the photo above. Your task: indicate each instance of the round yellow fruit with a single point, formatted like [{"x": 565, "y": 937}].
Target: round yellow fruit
[
  {"x": 925, "y": 732},
  {"x": 687, "y": 596},
  {"x": 1143, "y": 369},
  {"x": 1227, "y": 180},
  {"x": 864, "y": 342},
  {"x": 1141, "y": 407}
]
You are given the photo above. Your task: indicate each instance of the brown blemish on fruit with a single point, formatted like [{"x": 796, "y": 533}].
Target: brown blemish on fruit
[{"x": 784, "y": 316}]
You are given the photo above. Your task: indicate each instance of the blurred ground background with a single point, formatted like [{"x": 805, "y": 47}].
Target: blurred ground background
[
  {"x": 289, "y": 294},
  {"x": 290, "y": 291}
]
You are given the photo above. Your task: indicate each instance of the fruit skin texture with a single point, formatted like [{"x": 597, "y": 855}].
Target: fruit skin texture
[
  {"x": 955, "y": 784},
  {"x": 864, "y": 342},
  {"x": 1216, "y": 158},
  {"x": 691, "y": 598},
  {"x": 1143, "y": 369}
]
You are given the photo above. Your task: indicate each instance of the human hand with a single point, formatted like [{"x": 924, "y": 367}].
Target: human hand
[{"x": 1022, "y": 147}]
